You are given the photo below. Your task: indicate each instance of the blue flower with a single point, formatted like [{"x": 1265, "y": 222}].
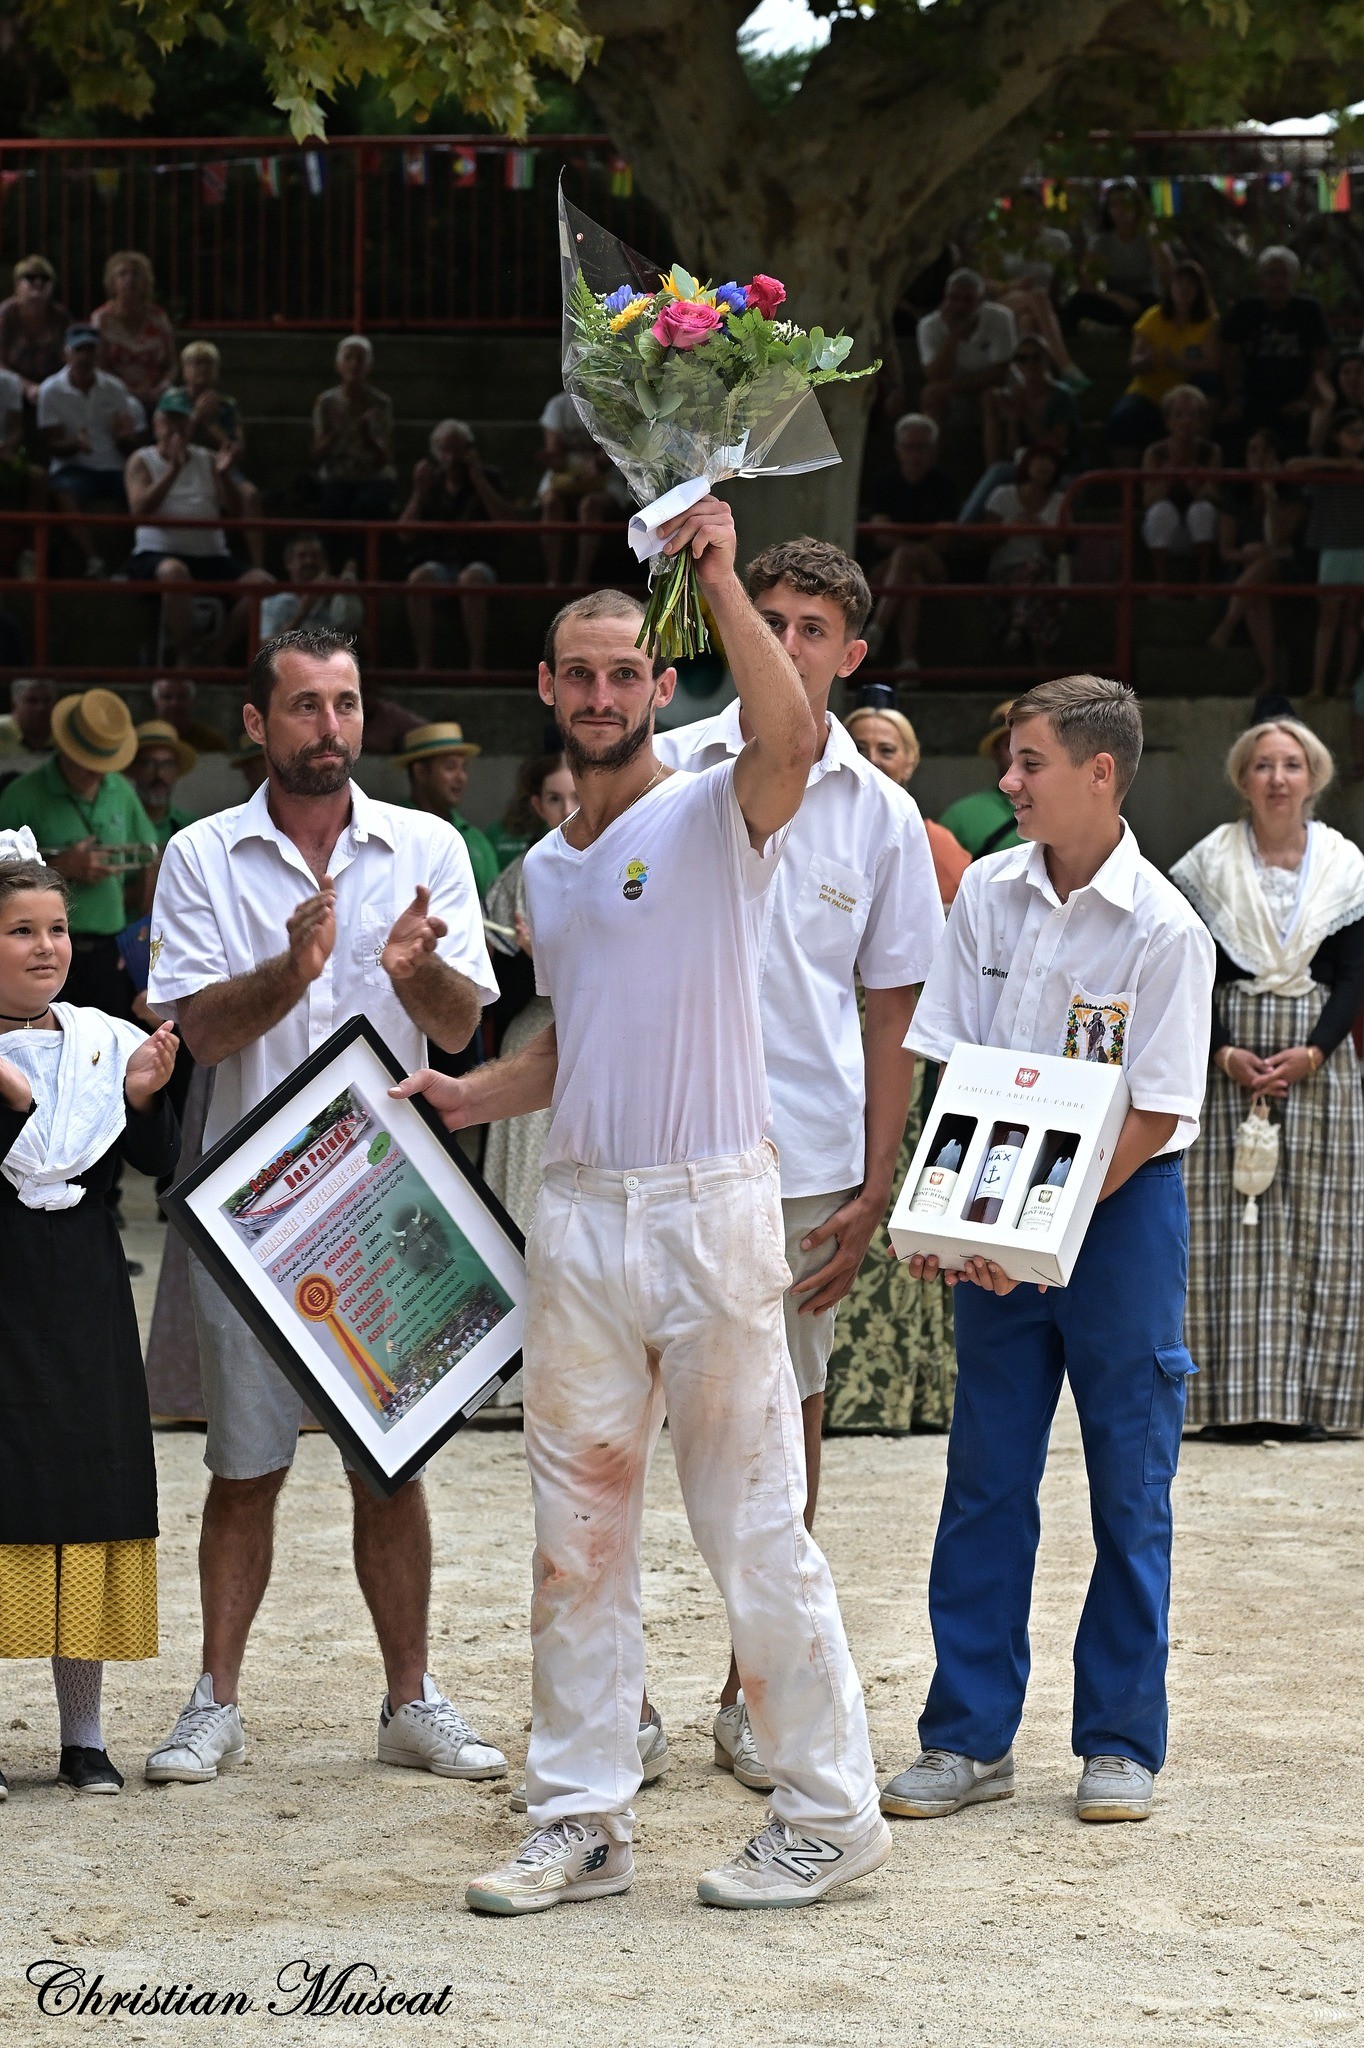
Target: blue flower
[
  {"x": 732, "y": 295},
  {"x": 618, "y": 300}
]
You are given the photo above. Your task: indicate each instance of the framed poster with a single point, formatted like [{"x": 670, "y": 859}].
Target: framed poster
[{"x": 374, "y": 1264}]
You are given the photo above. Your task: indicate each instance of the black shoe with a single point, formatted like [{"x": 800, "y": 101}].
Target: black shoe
[
  {"x": 4, "y": 1788},
  {"x": 88, "y": 1770}
]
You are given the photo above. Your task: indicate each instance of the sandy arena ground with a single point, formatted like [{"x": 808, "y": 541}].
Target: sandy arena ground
[{"x": 1233, "y": 1916}]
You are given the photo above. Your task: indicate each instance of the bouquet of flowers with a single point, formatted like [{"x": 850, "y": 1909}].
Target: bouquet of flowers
[{"x": 684, "y": 384}]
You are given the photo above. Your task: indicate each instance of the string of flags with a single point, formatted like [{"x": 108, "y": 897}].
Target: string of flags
[
  {"x": 415, "y": 165},
  {"x": 1167, "y": 195}
]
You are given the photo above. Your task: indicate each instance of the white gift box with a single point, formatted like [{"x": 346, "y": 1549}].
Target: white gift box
[{"x": 1065, "y": 1110}]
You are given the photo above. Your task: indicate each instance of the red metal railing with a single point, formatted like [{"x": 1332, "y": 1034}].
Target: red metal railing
[
  {"x": 1124, "y": 591},
  {"x": 391, "y": 231}
]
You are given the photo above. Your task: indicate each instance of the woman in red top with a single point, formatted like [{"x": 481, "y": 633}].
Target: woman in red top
[{"x": 137, "y": 342}]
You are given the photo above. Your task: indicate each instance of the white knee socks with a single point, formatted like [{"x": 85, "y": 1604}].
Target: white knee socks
[{"x": 79, "y": 1682}]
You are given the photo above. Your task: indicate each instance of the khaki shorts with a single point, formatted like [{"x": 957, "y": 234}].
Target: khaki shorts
[{"x": 810, "y": 1338}]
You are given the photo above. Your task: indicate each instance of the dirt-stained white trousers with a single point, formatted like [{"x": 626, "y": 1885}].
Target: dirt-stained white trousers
[{"x": 652, "y": 1291}]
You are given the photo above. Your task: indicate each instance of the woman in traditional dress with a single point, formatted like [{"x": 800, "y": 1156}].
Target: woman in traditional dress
[
  {"x": 1275, "y": 1320},
  {"x": 894, "y": 1364},
  {"x": 77, "y": 1475}
]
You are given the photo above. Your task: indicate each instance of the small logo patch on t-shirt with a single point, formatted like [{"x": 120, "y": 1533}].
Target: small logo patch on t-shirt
[
  {"x": 1096, "y": 1027},
  {"x": 636, "y": 875}
]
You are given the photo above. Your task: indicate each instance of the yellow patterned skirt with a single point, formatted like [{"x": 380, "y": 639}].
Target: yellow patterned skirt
[{"x": 91, "y": 1600}]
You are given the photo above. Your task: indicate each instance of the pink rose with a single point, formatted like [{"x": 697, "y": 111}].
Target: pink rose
[
  {"x": 765, "y": 294},
  {"x": 682, "y": 323}
]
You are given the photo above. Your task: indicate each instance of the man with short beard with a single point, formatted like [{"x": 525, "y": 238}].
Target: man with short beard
[
  {"x": 655, "y": 1264},
  {"x": 273, "y": 924}
]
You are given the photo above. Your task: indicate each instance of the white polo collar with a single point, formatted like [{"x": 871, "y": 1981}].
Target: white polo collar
[
  {"x": 367, "y": 820},
  {"x": 1115, "y": 880},
  {"x": 839, "y": 751}
]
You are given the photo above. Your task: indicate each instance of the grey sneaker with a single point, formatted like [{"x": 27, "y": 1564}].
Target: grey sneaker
[
  {"x": 782, "y": 1868},
  {"x": 653, "y": 1756},
  {"x": 735, "y": 1749},
  {"x": 1114, "y": 1788},
  {"x": 940, "y": 1782}
]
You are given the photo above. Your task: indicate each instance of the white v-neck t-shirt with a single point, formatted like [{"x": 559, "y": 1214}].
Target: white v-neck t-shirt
[{"x": 647, "y": 945}]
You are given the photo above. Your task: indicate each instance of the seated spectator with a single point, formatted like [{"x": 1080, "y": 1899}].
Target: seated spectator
[
  {"x": 353, "y": 439},
  {"x": 173, "y": 702},
  {"x": 1033, "y": 621},
  {"x": 437, "y": 759},
  {"x": 88, "y": 420},
  {"x": 888, "y": 740},
  {"x": 533, "y": 810},
  {"x": 305, "y": 570},
  {"x": 1274, "y": 343},
  {"x": 1181, "y": 516},
  {"x": 1335, "y": 529},
  {"x": 33, "y": 326},
  {"x": 1028, "y": 267},
  {"x": 452, "y": 483},
  {"x": 1332, "y": 394},
  {"x": 1122, "y": 266},
  {"x": 984, "y": 821},
  {"x": 915, "y": 493},
  {"x": 387, "y": 723},
  {"x": 22, "y": 487},
  {"x": 215, "y": 423},
  {"x": 1174, "y": 342},
  {"x": 1035, "y": 410},
  {"x": 161, "y": 759},
  {"x": 965, "y": 349},
  {"x": 31, "y": 701},
  {"x": 137, "y": 341},
  {"x": 1255, "y": 543},
  {"x": 579, "y": 482},
  {"x": 179, "y": 481}
]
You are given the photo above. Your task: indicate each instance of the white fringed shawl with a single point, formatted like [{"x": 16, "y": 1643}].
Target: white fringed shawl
[{"x": 1218, "y": 877}]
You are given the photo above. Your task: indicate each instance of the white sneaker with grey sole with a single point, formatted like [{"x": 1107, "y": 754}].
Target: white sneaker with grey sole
[
  {"x": 782, "y": 1866},
  {"x": 205, "y": 1737},
  {"x": 570, "y": 1859},
  {"x": 735, "y": 1749},
  {"x": 430, "y": 1734},
  {"x": 1114, "y": 1788},
  {"x": 941, "y": 1781},
  {"x": 653, "y": 1757}
]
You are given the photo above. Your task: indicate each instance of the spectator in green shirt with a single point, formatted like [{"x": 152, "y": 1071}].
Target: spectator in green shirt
[
  {"x": 89, "y": 821},
  {"x": 525, "y": 819},
  {"x": 984, "y": 821},
  {"x": 437, "y": 759},
  {"x": 162, "y": 757}
]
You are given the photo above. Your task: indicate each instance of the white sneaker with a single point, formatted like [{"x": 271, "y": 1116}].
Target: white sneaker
[
  {"x": 735, "y": 1749},
  {"x": 571, "y": 1859},
  {"x": 205, "y": 1737},
  {"x": 780, "y": 1867},
  {"x": 1114, "y": 1788},
  {"x": 653, "y": 1757},
  {"x": 430, "y": 1734},
  {"x": 942, "y": 1781}
]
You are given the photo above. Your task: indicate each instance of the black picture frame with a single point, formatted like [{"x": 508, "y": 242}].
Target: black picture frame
[{"x": 386, "y": 1453}]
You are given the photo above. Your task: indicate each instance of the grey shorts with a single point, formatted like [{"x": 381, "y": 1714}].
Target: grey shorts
[
  {"x": 253, "y": 1413},
  {"x": 810, "y": 1338}
]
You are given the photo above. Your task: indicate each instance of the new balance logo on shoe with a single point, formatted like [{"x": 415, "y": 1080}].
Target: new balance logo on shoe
[
  {"x": 804, "y": 1858},
  {"x": 595, "y": 1859}
]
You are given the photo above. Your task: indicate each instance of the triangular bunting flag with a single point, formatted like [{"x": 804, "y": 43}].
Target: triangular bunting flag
[
  {"x": 414, "y": 167},
  {"x": 464, "y": 168},
  {"x": 213, "y": 182},
  {"x": 267, "y": 170},
  {"x": 519, "y": 173},
  {"x": 106, "y": 183},
  {"x": 315, "y": 171},
  {"x": 622, "y": 179}
]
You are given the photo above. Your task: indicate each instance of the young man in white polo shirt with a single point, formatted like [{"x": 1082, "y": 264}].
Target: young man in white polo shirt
[
  {"x": 274, "y": 923},
  {"x": 1072, "y": 925},
  {"x": 855, "y": 897},
  {"x": 656, "y": 1267}
]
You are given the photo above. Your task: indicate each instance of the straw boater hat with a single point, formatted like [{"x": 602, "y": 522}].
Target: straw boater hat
[
  {"x": 159, "y": 732},
  {"x": 427, "y": 742},
  {"x": 998, "y": 729},
  {"x": 248, "y": 750},
  {"x": 95, "y": 731}
]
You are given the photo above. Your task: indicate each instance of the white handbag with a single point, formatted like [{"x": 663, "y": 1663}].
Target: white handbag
[{"x": 1256, "y": 1159}]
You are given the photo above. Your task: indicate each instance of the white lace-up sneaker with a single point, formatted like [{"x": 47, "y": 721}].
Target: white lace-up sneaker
[
  {"x": 781, "y": 1867},
  {"x": 653, "y": 1757},
  {"x": 735, "y": 1749},
  {"x": 571, "y": 1859},
  {"x": 430, "y": 1734},
  {"x": 205, "y": 1737},
  {"x": 1114, "y": 1788},
  {"x": 941, "y": 1781}
]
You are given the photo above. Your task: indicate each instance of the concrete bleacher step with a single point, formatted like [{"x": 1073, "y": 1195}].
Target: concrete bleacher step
[
  {"x": 473, "y": 376},
  {"x": 1188, "y": 671}
]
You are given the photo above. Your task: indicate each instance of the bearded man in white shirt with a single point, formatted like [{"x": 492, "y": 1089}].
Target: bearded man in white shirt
[
  {"x": 855, "y": 898},
  {"x": 656, "y": 1267},
  {"x": 273, "y": 923}
]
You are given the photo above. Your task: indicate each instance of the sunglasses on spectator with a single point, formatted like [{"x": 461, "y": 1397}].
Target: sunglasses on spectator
[{"x": 43, "y": 284}]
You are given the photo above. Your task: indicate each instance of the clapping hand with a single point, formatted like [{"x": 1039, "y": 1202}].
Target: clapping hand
[
  {"x": 412, "y": 939},
  {"x": 150, "y": 1068},
  {"x": 312, "y": 931}
]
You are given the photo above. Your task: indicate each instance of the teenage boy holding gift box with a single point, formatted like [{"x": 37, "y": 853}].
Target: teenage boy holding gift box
[{"x": 1072, "y": 920}]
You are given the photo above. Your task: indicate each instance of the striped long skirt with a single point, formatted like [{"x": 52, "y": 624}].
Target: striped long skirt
[{"x": 1275, "y": 1321}]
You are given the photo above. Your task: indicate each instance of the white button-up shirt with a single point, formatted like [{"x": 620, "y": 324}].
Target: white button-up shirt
[
  {"x": 1121, "y": 970},
  {"x": 855, "y": 890},
  {"x": 227, "y": 887}
]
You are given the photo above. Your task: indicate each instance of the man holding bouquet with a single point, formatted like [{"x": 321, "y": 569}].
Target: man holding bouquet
[{"x": 656, "y": 1267}]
